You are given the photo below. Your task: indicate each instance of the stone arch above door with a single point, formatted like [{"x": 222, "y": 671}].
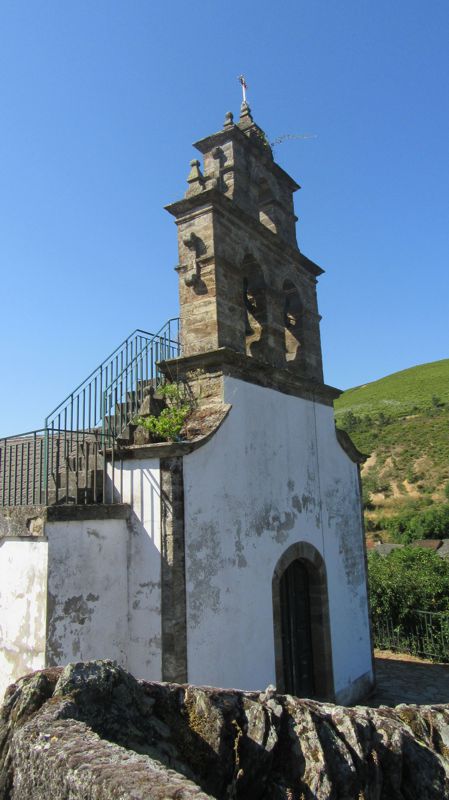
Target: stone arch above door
[{"x": 314, "y": 564}]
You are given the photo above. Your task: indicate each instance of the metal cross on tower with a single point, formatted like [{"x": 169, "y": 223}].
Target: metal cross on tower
[{"x": 244, "y": 86}]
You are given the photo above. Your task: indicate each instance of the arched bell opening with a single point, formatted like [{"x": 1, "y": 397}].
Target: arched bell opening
[
  {"x": 301, "y": 624},
  {"x": 293, "y": 322},
  {"x": 267, "y": 212},
  {"x": 255, "y": 307}
]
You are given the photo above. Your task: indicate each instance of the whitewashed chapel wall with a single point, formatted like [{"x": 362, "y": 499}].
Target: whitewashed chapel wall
[
  {"x": 274, "y": 474},
  {"x": 139, "y": 485},
  {"x": 23, "y": 607}
]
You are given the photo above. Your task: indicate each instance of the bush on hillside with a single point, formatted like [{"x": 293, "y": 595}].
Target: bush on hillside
[
  {"x": 367, "y": 500},
  {"x": 408, "y": 526},
  {"x": 348, "y": 421},
  {"x": 408, "y": 579},
  {"x": 373, "y": 483}
]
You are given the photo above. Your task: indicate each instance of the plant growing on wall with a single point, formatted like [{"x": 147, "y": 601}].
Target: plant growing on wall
[{"x": 169, "y": 423}]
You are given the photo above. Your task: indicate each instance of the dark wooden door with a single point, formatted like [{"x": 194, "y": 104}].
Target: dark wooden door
[{"x": 297, "y": 647}]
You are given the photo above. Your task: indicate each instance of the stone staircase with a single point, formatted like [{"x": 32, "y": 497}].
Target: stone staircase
[
  {"x": 66, "y": 461},
  {"x": 143, "y": 400},
  {"x": 78, "y": 476},
  {"x": 75, "y": 460}
]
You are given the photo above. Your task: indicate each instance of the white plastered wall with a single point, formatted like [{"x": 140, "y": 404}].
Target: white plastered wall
[
  {"x": 23, "y": 601},
  {"x": 87, "y": 590},
  {"x": 138, "y": 483},
  {"x": 274, "y": 474},
  {"x": 104, "y": 579},
  {"x": 344, "y": 554}
]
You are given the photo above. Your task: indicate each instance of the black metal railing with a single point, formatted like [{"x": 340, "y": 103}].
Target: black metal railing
[
  {"x": 123, "y": 397},
  {"x": 81, "y": 409},
  {"x": 45, "y": 468},
  {"x": 422, "y": 633},
  {"x": 66, "y": 461}
]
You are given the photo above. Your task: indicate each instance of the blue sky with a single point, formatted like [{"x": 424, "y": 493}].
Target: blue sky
[{"x": 100, "y": 102}]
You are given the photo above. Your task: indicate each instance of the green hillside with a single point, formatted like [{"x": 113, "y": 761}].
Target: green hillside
[
  {"x": 402, "y": 423},
  {"x": 401, "y": 393}
]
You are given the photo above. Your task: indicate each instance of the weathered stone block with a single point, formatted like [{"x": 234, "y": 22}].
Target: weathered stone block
[{"x": 92, "y": 732}]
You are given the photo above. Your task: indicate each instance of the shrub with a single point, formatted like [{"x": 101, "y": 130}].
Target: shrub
[
  {"x": 409, "y": 525},
  {"x": 348, "y": 421},
  {"x": 407, "y": 579},
  {"x": 169, "y": 423},
  {"x": 367, "y": 499},
  {"x": 436, "y": 402},
  {"x": 371, "y": 524},
  {"x": 372, "y": 483}
]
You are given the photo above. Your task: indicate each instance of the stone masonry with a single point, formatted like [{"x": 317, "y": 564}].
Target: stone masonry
[
  {"x": 92, "y": 732},
  {"x": 245, "y": 285}
]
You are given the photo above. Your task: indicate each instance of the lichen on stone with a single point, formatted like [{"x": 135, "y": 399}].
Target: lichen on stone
[{"x": 91, "y": 731}]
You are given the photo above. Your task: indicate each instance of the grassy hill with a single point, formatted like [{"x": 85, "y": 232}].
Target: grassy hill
[{"x": 402, "y": 423}]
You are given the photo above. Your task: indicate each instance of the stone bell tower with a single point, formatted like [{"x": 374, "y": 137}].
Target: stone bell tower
[
  {"x": 273, "y": 538},
  {"x": 244, "y": 284}
]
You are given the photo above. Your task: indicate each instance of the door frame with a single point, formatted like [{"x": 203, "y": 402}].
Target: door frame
[{"x": 319, "y": 618}]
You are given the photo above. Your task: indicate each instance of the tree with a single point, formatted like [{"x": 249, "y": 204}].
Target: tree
[{"x": 409, "y": 578}]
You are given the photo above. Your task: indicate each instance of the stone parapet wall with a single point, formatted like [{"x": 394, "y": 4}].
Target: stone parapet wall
[
  {"x": 22, "y": 521},
  {"x": 92, "y": 732}
]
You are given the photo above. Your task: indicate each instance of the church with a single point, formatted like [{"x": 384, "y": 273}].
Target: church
[{"x": 233, "y": 556}]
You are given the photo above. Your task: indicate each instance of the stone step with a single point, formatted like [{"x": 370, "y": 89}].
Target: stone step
[
  {"x": 126, "y": 411},
  {"x": 77, "y": 491}
]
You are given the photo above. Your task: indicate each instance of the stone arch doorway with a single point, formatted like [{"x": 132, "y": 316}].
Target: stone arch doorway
[{"x": 301, "y": 624}]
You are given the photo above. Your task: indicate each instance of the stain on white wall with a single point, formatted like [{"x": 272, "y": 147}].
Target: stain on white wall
[
  {"x": 23, "y": 600},
  {"x": 87, "y": 590}
]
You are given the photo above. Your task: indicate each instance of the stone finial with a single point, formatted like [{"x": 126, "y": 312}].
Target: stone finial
[
  {"x": 245, "y": 112},
  {"x": 195, "y": 179},
  {"x": 246, "y": 122},
  {"x": 195, "y": 173},
  {"x": 229, "y": 119}
]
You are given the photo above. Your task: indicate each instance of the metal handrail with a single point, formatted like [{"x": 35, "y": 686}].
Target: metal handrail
[
  {"x": 123, "y": 397},
  {"x": 103, "y": 363},
  {"x": 60, "y": 462},
  {"x": 80, "y": 409},
  {"x": 422, "y": 633},
  {"x": 63, "y": 466}
]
